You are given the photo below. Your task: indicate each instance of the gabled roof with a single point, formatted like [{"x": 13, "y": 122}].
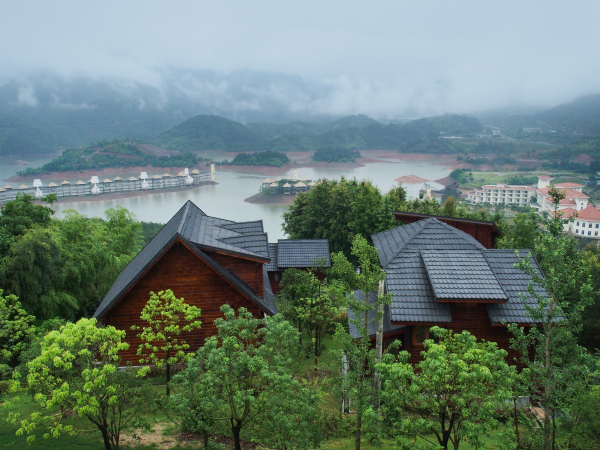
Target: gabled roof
[
  {"x": 193, "y": 227},
  {"x": 461, "y": 274},
  {"x": 568, "y": 185},
  {"x": 272, "y": 266},
  {"x": 428, "y": 234},
  {"x": 569, "y": 193},
  {"x": 515, "y": 283},
  {"x": 302, "y": 253},
  {"x": 388, "y": 328},
  {"x": 246, "y": 239},
  {"x": 589, "y": 213},
  {"x": 428, "y": 264}
]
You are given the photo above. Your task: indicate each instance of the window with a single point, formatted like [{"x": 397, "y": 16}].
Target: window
[
  {"x": 590, "y": 226},
  {"x": 597, "y": 226},
  {"x": 589, "y": 233},
  {"x": 596, "y": 233},
  {"x": 420, "y": 334}
]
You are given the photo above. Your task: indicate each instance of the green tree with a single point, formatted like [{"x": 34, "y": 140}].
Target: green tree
[
  {"x": 319, "y": 309},
  {"x": 456, "y": 393},
  {"x": 335, "y": 210},
  {"x": 77, "y": 370},
  {"x": 167, "y": 317},
  {"x": 20, "y": 214},
  {"x": 245, "y": 372},
  {"x": 357, "y": 381},
  {"x": 66, "y": 268},
  {"x": 16, "y": 327},
  {"x": 559, "y": 364},
  {"x": 295, "y": 285},
  {"x": 522, "y": 234}
]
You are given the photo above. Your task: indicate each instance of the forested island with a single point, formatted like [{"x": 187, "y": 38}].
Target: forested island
[
  {"x": 336, "y": 154},
  {"x": 267, "y": 158},
  {"x": 109, "y": 154}
]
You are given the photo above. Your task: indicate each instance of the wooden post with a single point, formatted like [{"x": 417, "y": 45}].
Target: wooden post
[{"x": 379, "y": 341}]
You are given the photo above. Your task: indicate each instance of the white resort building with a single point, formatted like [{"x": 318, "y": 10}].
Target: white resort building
[
  {"x": 503, "y": 194},
  {"x": 586, "y": 217}
]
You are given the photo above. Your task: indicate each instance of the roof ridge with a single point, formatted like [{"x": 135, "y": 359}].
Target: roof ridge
[
  {"x": 461, "y": 234},
  {"x": 184, "y": 218},
  {"x": 487, "y": 261},
  {"x": 389, "y": 232},
  {"x": 425, "y": 223}
]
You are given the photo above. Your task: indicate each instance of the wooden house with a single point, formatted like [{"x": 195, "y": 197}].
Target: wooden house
[
  {"x": 440, "y": 275},
  {"x": 298, "y": 253},
  {"x": 206, "y": 260},
  {"x": 485, "y": 232}
]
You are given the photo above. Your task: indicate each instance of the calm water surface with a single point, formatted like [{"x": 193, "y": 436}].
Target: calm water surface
[{"x": 226, "y": 199}]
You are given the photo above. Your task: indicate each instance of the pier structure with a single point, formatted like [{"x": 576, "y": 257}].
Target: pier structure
[{"x": 96, "y": 187}]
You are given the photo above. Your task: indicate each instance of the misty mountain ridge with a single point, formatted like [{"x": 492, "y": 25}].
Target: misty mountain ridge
[
  {"x": 44, "y": 112},
  {"x": 208, "y": 132}
]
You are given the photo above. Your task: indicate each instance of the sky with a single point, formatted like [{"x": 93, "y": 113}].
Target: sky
[{"x": 382, "y": 58}]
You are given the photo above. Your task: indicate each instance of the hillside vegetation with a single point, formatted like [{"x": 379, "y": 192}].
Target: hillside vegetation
[
  {"x": 267, "y": 158},
  {"x": 205, "y": 132},
  {"x": 354, "y": 132},
  {"x": 113, "y": 153},
  {"x": 335, "y": 154}
]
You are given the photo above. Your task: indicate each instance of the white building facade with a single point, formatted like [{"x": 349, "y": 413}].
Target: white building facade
[{"x": 503, "y": 194}]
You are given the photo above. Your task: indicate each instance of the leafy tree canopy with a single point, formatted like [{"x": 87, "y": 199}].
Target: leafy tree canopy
[
  {"x": 455, "y": 394},
  {"x": 77, "y": 370}
]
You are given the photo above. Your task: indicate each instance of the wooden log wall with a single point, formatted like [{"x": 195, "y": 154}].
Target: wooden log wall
[
  {"x": 474, "y": 319},
  {"x": 249, "y": 271},
  {"x": 189, "y": 277}
]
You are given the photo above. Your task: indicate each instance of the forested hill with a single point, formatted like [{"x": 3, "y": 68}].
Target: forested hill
[
  {"x": 19, "y": 136},
  {"x": 114, "y": 153},
  {"x": 355, "y": 132},
  {"x": 273, "y": 130},
  {"x": 562, "y": 124},
  {"x": 206, "y": 132},
  {"x": 581, "y": 115}
]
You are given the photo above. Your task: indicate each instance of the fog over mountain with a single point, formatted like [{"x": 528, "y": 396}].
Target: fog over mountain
[{"x": 269, "y": 60}]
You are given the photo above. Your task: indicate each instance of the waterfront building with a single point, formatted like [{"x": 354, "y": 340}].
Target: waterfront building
[{"x": 503, "y": 194}]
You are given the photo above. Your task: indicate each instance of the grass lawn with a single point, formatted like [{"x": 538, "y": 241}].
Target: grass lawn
[
  {"x": 163, "y": 434},
  {"x": 490, "y": 442}
]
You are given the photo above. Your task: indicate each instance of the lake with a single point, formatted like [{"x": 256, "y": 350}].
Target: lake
[{"x": 226, "y": 199}]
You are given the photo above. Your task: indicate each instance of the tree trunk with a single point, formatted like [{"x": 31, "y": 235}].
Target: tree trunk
[
  {"x": 106, "y": 439},
  {"x": 204, "y": 439},
  {"x": 236, "y": 435},
  {"x": 168, "y": 371},
  {"x": 379, "y": 345},
  {"x": 516, "y": 422},
  {"x": 357, "y": 433}
]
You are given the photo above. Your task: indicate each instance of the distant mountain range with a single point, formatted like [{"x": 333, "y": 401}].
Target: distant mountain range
[
  {"x": 205, "y": 132},
  {"x": 243, "y": 111}
]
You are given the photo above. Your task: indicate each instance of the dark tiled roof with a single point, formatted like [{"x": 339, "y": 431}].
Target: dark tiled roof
[
  {"x": 299, "y": 253},
  {"x": 413, "y": 299},
  {"x": 514, "y": 283},
  {"x": 428, "y": 262},
  {"x": 212, "y": 233},
  {"x": 269, "y": 298},
  {"x": 193, "y": 226},
  {"x": 428, "y": 234},
  {"x": 461, "y": 274},
  {"x": 372, "y": 327},
  {"x": 272, "y": 266}
]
